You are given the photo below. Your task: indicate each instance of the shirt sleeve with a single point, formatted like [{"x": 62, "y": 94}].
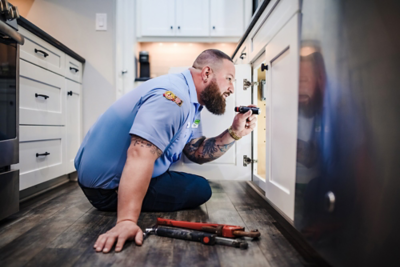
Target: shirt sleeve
[{"x": 158, "y": 120}]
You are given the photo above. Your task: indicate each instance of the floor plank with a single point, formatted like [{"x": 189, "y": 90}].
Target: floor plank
[{"x": 60, "y": 227}]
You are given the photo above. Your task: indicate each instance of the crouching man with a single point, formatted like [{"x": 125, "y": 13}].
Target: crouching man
[{"x": 123, "y": 162}]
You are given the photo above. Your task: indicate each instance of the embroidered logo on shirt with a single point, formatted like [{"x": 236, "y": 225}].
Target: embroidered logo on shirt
[
  {"x": 196, "y": 124},
  {"x": 171, "y": 96}
]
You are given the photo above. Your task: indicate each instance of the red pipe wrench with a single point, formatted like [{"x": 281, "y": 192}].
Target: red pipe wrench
[{"x": 223, "y": 230}]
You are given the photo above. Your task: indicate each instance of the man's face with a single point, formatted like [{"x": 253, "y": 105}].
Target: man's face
[
  {"x": 308, "y": 83},
  {"x": 220, "y": 87}
]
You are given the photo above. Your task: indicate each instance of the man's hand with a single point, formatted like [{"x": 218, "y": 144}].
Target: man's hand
[
  {"x": 243, "y": 124},
  {"x": 122, "y": 231},
  {"x": 135, "y": 180}
]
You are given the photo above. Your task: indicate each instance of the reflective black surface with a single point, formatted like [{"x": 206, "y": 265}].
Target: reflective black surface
[
  {"x": 8, "y": 96},
  {"x": 348, "y": 159}
]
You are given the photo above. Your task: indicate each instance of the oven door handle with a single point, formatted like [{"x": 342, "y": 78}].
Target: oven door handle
[
  {"x": 40, "y": 95},
  {"x": 11, "y": 33}
]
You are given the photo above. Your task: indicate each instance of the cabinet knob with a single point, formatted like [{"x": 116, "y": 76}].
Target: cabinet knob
[
  {"x": 179, "y": 27},
  {"x": 213, "y": 27},
  {"x": 330, "y": 200},
  {"x": 172, "y": 27},
  {"x": 243, "y": 55},
  {"x": 69, "y": 93},
  {"x": 264, "y": 67}
]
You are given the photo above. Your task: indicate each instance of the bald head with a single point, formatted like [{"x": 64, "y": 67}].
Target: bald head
[{"x": 210, "y": 57}]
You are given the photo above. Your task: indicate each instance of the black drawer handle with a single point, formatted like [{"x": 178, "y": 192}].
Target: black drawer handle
[
  {"x": 42, "y": 155},
  {"x": 41, "y": 51},
  {"x": 69, "y": 93},
  {"x": 75, "y": 69},
  {"x": 39, "y": 95}
]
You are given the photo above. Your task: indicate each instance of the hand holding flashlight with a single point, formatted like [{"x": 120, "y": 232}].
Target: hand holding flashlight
[
  {"x": 243, "y": 109},
  {"x": 245, "y": 122}
]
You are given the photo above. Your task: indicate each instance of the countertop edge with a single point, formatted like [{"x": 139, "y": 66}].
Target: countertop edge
[
  {"x": 23, "y": 22},
  {"x": 253, "y": 22}
]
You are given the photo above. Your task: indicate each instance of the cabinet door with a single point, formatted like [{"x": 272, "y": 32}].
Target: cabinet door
[
  {"x": 282, "y": 80},
  {"x": 230, "y": 165},
  {"x": 226, "y": 17},
  {"x": 73, "y": 123},
  {"x": 157, "y": 17},
  {"x": 192, "y": 18}
]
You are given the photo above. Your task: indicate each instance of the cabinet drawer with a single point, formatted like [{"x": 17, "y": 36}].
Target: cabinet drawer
[
  {"x": 40, "y": 154},
  {"x": 73, "y": 69},
  {"x": 41, "y": 53},
  {"x": 41, "y": 96}
]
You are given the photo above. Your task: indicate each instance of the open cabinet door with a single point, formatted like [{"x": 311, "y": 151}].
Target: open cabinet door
[
  {"x": 275, "y": 170},
  {"x": 230, "y": 166}
]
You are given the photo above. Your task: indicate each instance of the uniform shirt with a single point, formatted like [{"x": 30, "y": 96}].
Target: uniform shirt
[{"x": 163, "y": 110}]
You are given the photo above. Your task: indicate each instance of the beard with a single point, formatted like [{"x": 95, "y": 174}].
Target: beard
[{"x": 212, "y": 98}]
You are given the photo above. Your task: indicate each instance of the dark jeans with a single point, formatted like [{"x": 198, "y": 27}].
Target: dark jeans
[{"x": 170, "y": 191}]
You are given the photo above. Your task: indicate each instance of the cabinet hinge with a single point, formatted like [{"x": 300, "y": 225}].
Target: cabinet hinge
[
  {"x": 247, "y": 160},
  {"x": 247, "y": 84}
]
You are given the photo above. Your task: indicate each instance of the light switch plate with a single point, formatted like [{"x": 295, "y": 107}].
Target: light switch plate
[{"x": 101, "y": 21}]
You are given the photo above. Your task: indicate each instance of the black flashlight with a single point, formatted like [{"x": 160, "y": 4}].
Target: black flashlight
[{"x": 243, "y": 109}]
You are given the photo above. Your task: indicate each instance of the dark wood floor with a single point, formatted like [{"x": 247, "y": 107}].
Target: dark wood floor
[{"x": 60, "y": 227}]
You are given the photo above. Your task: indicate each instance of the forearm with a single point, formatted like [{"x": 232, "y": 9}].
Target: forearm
[
  {"x": 135, "y": 180},
  {"x": 204, "y": 150}
]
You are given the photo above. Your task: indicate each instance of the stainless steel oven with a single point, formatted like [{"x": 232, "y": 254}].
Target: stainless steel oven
[{"x": 10, "y": 40}]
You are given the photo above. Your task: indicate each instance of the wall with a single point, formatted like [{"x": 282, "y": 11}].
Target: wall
[
  {"x": 166, "y": 55},
  {"x": 72, "y": 23}
]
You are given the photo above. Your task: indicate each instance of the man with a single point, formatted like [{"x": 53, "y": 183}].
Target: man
[{"x": 124, "y": 159}]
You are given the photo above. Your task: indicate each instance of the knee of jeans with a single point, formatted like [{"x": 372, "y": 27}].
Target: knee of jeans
[{"x": 205, "y": 191}]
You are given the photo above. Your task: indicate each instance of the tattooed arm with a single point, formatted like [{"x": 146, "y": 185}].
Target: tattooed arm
[
  {"x": 135, "y": 180},
  {"x": 202, "y": 150}
]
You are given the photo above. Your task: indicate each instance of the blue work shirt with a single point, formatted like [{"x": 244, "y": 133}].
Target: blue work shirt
[{"x": 163, "y": 110}]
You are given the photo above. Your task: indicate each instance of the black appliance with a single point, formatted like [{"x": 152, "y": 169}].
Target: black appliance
[
  {"x": 10, "y": 40},
  {"x": 347, "y": 177},
  {"x": 144, "y": 66}
]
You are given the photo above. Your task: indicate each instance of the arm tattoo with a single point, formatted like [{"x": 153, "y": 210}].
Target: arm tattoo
[
  {"x": 202, "y": 150},
  {"x": 138, "y": 141}
]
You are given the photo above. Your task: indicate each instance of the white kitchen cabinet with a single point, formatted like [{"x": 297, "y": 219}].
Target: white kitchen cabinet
[
  {"x": 187, "y": 18},
  {"x": 41, "y": 100},
  {"x": 226, "y": 18},
  {"x": 192, "y": 18},
  {"x": 157, "y": 17},
  {"x": 37, "y": 51},
  {"x": 50, "y": 111},
  {"x": 278, "y": 142},
  {"x": 73, "y": 122},
  {"x": 40, "y": 154}
]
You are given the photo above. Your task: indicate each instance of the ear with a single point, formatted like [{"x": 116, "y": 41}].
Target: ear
[{"x": 206, "y": 74}]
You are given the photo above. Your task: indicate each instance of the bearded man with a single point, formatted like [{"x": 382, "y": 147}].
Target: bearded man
[{"x": 123, "y": 162}]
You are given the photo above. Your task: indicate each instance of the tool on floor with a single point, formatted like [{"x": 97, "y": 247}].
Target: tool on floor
[
  {"x": 243, "y": 109},
  {"x": 223, "y": 230},
  {"x": 205, "y": 238},
  {"x": 191, "y": 235}
]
